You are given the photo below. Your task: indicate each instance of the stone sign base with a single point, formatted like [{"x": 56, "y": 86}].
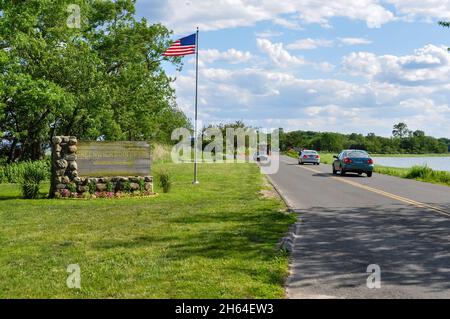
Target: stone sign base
[{"x": 66, "y": 182}]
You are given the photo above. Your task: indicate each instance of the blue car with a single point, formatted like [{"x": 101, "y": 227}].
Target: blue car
[{"x": 354, "y": 161}]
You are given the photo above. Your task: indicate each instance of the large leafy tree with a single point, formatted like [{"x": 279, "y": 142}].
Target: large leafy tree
[{"x": 100, "y": 79}]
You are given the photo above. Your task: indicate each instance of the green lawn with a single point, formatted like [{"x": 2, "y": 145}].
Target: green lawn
[{"x": 212, "y": 240}]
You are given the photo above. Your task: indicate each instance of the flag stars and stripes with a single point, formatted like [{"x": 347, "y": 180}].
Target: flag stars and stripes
[{"x": 183, "y": 46}]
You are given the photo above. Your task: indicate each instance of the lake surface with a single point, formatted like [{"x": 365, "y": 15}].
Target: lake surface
[{"x": 436, "y": 163}]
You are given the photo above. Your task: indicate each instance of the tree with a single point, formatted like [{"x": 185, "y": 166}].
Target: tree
[
  {"x": 400, "y": 130},
  {"x": 103, "y": 79},
  {"x": 418, "y": 133},
  {"x": 445, "y": 24}
]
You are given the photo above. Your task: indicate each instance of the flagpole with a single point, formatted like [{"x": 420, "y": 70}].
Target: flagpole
[{"x": 196, "y": 102}]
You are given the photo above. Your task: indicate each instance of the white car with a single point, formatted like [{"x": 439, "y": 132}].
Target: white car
[{"x": 309, "y": 156}]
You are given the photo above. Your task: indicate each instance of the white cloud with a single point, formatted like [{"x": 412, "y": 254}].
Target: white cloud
[
  {"x": 232, "y": 56},
  {"x": 277, "y": 54},
  {"x": 269, "y": 98},
  {"x": 268, "y": 34},
  {"x": 427, "y": 66},
  {"x": 426, "y": 10},
  {"x": 183, "y": 15},
  {"x": 354, "y": 41},
  {"x": 309, "y": 44}
]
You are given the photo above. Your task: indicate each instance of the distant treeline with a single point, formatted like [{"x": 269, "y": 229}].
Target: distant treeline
[{"x": 402, "y": 141}]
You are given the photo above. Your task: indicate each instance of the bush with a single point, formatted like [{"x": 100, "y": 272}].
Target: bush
[
  {"x": 92, "y": 187},
  {"x": 164, "y": 181},
  {"x": 422, "y": 172},
  {"x": 31, "y": 176},
  {"x": 12, "y": 173}
]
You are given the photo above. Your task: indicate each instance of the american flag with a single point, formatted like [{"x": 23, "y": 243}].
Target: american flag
[{"x": 183, "y": 46}]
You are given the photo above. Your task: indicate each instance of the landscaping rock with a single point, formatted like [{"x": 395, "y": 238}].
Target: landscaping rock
[
  {"x": 71, "y": 157},
  {"x": 83, "y": 189},
  {"x": 65, "y": 179},
  {"x": 61, "y": 163},
  {"x": 101, "y": 187},
  {"x": 134, "y": 186},
  {"x": 60, "y": 186},
  {"x": 73, "y": 165},
  {"x": 56, "y": 140},
  {"x": 73, "y": 148}
]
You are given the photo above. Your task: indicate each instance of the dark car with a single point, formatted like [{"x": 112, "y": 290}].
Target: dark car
[{"x": 354, "y": 161}]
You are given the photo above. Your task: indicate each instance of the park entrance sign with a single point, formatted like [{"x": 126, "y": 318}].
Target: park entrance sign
[
  {"x": 97, "y": 159},
  {"x": 91, "y": 169}
]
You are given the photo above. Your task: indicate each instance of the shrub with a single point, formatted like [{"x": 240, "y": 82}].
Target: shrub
[
  {"x": 12, "y": 173},
  {"x": 422, "y": 172},
  {"x": 164, "y": 181},
  {"x": 72, "y": 187},
  {"x": 142, "y": 186},
  {"x": 31, "y": 176},
  {"x": 110, "y": 187},
  {"x": 127, "y": 187},
  {"x": 92, "y": 187}
]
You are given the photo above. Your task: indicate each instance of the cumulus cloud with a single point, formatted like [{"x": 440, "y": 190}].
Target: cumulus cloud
[
  {"x": 309, "y": 44},
  {"x": 277, "y": 54},
  {"x": 428, "y": 65},
  {"x": 183, "y": 15},
  {"x": 427, "y": 10},
  {"x": 271, "y": 98},
  {"x": 232, "y": 56},
  {"x": 354, "y": 41},
  {"x": 268, "y": 34}
]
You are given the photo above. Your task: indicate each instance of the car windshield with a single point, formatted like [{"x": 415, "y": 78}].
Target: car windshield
[
  {"x": 310, "y": 152},
  {"x": 357, "y": 154}
]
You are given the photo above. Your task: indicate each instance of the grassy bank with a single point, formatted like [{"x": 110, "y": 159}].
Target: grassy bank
[
  {"x": 213, "y": 240},
  {"x": 420, "y": 173}
]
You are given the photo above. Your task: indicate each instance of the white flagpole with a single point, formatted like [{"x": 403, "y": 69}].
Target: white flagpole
[{"x": 196, "y": 99}]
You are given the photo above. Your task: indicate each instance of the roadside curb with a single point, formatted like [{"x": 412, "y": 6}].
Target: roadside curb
[
  {"x": 285, "y": 200},
  {"x": 287, "y": 242}
]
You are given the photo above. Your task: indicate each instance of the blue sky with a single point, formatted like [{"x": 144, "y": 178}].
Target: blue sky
[{"x": 346, "y": 65}]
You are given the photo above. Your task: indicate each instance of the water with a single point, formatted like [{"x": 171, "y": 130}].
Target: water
[{"x": 436, "y": 163}]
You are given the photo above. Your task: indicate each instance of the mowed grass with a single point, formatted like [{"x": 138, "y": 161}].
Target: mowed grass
[{"x": 217, "y": 239}]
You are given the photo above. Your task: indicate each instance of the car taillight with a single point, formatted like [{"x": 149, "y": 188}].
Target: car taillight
[
  {"x": 347, "y": 160},
  {"x": 317, "y": 156},
  {"x": 370, "y": 161},
  {"x": 305, "y": 156}
]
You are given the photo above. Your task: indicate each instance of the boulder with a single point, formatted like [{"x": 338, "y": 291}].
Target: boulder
[
  {"x": 83, "y": 189},
  {"x": 71, "y": 157},
  {"x": 56, "y": 139},
  {"x": 61, "y": 163},
  {"x": 134, "y": 186},
  {"x": 65, "y": 179},
  {"x": 101, "y": 187},
  {"x": 149, "y": 187},
  {"x": 73, "y": 148},
  {"x": 73, "y": 165}
]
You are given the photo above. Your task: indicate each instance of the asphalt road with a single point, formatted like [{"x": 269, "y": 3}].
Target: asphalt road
[{"x": 347, "y": 223}]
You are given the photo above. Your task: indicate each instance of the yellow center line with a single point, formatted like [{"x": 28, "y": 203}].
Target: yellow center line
[{"x": 383, "y": 193}]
